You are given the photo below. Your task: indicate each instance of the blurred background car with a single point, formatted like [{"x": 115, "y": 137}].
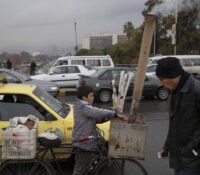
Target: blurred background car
[
  {"x": 16, "y": 77},
  {"x": 151, "y": 70},
  {"x": 101, "y": 82},
  {"x": 65, "y": 76}
]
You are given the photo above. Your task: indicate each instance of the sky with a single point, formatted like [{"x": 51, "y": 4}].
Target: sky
[{"x": 47, "y": 26}]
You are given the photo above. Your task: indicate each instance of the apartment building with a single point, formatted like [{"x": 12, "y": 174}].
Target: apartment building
[{"x": 102, "y": 41}]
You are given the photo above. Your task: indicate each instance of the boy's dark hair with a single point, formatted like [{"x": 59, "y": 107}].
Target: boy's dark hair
[{"x": 84, "y": 91}]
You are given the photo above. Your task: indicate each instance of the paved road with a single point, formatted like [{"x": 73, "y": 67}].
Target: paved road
[{"x": 156, "y": 114}]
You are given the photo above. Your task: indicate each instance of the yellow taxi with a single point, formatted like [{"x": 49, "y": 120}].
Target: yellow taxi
[{"x": 18, "y": 100}]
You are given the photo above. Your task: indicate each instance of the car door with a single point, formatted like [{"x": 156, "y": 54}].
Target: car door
[
  {"x": 58, "y": 75},
  {"x": 73, "y": 73},
  {"x": 150, "y": 86},
  {"x": 68, "y": 126},
  {"x": 103, "y": 81}
]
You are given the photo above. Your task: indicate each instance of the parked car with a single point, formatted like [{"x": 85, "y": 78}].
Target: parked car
[
  {"x": 21, "y": 100},
  {"x": 65, "y": 76},
  {"x": 15, "y": 77},
  {"x": 151, "y": 70},
  {"x": 96, "y": 61},
  {"x": 190, "y": 63},
  {"x": 101, "y": 82}
]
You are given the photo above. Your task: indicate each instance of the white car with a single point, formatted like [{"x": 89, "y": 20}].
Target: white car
[
  {"x": 151, "y": 70},
  {"x": 65, "y": 75}
]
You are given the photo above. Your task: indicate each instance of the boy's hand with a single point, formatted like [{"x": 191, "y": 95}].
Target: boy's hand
[{"x": 122, "y": 117}]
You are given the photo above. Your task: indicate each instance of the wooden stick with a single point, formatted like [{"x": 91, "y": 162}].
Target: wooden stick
[{"x": 142, "y": 64}]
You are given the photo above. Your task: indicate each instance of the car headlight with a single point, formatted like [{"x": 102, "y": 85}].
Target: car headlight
[{"x": 54, "y": 88}]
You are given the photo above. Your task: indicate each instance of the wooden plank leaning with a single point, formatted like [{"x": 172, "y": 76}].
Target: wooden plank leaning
[{"x": 128, "y": 140}]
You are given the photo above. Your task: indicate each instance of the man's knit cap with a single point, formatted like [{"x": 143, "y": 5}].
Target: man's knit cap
[{"x": 168, "y": 67}]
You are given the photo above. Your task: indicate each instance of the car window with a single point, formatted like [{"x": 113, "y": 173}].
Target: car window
[
  {"x": 98, "y": 73},
  {"x": 11, "y": 110},
  {"x": 62, "y": 109},
  {"x": 114, "y": 74},
  {"x": 89, "y": 67},
  {"x": 78, "y": 62},
  {"x": 73, "y": 69},
  {"x": 16, "y": 75},
  {"x": 151, "y": 69},
  {"x": 133, "y": 74},
  {"x": 94, "y": 62},
  {"x": 104, "y": 76},
  {"x": 59, "y": 70},
  {"x": 154, "y": 61},
  {"x": 61, "y": 62},
  {"x": 187, "y": 62},
  {"x": 16, "y": 99},
  {"x": 106, "y": 62},
  {"x": 9, "y": 78}
]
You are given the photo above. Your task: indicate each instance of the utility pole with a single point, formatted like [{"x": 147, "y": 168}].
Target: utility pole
[
  {"x": 154, "y": 43},
  {"x": 176, "y": 21},
  {"x": 76, "y": 46}
]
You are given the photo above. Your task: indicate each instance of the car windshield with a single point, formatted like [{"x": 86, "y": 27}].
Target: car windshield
[
  {"x": 89, "y": 68},
  {"x": 98, "y": 73},
  {"x": 21, "y": 76},
  {"x": 60, "y": 108}
]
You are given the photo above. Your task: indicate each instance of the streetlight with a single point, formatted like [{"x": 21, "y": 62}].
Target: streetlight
[
  {"x": 76, "y": 47},
  {"x": 175, "y": 32}
]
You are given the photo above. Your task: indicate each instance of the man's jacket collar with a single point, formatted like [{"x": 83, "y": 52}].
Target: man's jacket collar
[{"x": 186, "y": 87}]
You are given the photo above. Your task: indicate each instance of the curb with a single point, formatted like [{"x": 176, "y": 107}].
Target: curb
[
  {"x": 61, "y": 93},
  {"x": 66, "y": 91}
]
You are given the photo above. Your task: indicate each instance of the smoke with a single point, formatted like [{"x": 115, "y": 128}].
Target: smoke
[{"x": 168, "y": 7}]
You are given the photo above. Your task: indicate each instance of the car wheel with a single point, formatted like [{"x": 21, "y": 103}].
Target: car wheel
[
  {"x": 163, "y": 93},
  {"x": 105, "y": 96}
]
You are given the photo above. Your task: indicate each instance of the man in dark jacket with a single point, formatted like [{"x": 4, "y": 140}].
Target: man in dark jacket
[
  {"x": 183, "y": 139},
  {"x": 32, "y": 68},
  {"x": 9, "y": 64}
]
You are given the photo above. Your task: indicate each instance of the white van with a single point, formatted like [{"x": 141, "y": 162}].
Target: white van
[
  {"x": 94, "y": 61},
  {"x": 190, "y": 63}
]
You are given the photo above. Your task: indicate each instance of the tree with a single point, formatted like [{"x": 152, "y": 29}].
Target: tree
[
  {"x": 25, "y": 55},
  {"x": 4, "y": 56},
  {"x": 83, "y": 52},
  {"x": 188, "y": 32},
  {"x": 16, "y": 59},
  {"x": 129, "y": 29},
  {"x": 126, "y": 52}
]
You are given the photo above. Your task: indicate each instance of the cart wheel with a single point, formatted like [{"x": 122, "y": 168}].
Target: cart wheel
[
  {"x": 24, "y": 167},
  {"x": 132, "y": 166},
  {"x": 108, "y": 168}
]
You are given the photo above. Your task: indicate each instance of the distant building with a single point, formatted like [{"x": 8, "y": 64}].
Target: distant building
[
  {"x": 35, "y": 54},
  {"x": 102, "y": 41}
]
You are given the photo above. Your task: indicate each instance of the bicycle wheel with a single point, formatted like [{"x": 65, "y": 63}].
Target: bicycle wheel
[
  {"x": 130, "y": 167},
  {"x": 22, "y": 167},
  {"x": 108, "y": 168}
]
